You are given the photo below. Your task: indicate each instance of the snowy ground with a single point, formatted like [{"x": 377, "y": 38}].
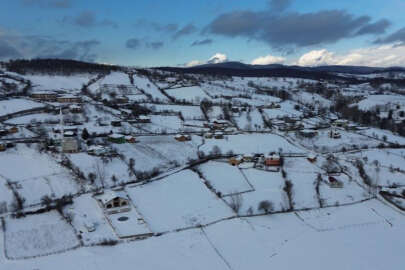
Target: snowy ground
[
  {"x": 18, "y": 104},
  {"x": 38, "y": 235},
  {"x": 224, "y": 178},
  {"x": 177, "y": 201}
]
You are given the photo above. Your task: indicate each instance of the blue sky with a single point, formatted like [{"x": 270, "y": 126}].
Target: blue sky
[{"x": 161, "y": 32}]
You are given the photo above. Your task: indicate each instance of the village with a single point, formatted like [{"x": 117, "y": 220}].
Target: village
[{"x": 125, "y": 157}]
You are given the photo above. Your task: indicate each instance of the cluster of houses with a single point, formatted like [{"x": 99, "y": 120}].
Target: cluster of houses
[
  {"x": 4, "y": 131},
  {"x": 52, "y": 96},
  {"x": 270, "y": 160}
]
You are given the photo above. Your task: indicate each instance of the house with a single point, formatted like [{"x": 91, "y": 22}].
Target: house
[
  {"x": 248, "y": 157},
  {"x": 114, "y": 202},
  {"x": 3, "y": 132},
  {"x": 70, "y": 145},
  {"x": 45, "y": 96},
  {"x": 218, "y": 135},
  {"x": 351, "y": 127},
  {"x": 69, "y": 99},
  {"x": 235, "y": 161},
  {"x": 130, "y": 139},
  {"x": 182, "y": 137},
  {"x": 208, "y": 135},
  {"x": 311, "y": 157},
  {"x": 12, "y": 130},
  {"x": 98, "y": 150},
  {"x": 117, "y": 138},
  {"x": 341, "y": 123},
  {"x": 125, "y": 113},
  {"x": 3, "y": 147},
  {"x": 116, "y": 123},
  {"x": 334, "y": 134},
  {"x": 121, "y": 99},
  {"x": 272, "y": 160},
  {"x": 308, "y": 133},
  {"x": 274, "y": 105},
  {"x": 69, "y": 134},
  {"x": 141, "y": 119},
  {"x": 75, "y": 108},
  {"x": 334, "y": 183},
  {"x": 219, "y": 124}
]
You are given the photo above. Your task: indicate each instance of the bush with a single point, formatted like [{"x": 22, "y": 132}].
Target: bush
[
  {"x": 108, "y": 242},
  {"x": 265, "y": 206}
]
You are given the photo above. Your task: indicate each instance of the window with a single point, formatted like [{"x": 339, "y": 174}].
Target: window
[
  {"x": 116, "y": 204},
  {"x": 123, "y": 203}
]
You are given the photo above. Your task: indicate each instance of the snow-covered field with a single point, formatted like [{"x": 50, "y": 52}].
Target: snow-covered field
[
  {"x": 38, "y": 235},
  {"x": 224, "y": 178},
  {"x": 189, "y": 210},
  {"x": 190, "y": 94},
  {"x": 251, "y": 143},
  {"x": 17, "y": 104},
  {"x": 178, "y": 201}
]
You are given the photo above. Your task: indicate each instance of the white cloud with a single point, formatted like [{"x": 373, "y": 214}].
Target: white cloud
[
  {"x": 316, "y": 58},
  {"x": 268, "y": 60},
  {"x": 194, "y": 63},
  {"x": 381, "y": 56},
  {"x": 217, "y": 58}
]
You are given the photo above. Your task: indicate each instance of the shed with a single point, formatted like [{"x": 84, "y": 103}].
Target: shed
[
  {"x": 235, "y": 161},
  {"x": 117, "y": 138},
  {"x": 182, "y": 137},
  {"x": 272, "y": 160}
]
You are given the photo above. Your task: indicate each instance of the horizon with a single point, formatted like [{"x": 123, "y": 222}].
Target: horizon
[{"x": 157, "y": 33}]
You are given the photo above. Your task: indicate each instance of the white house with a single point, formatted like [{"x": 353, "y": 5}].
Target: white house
[{"x": 114, "y": 202}]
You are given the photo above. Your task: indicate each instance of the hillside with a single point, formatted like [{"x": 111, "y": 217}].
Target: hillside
[{"x": 226, "y": 166}]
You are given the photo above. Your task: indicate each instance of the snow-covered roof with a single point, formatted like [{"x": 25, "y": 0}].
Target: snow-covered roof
[
  {"x": 116, "y": 136},
  {"x": 110, "y": 195},
  {"x": 143, "y": 117},
  {"x": 273, "y": 156}
]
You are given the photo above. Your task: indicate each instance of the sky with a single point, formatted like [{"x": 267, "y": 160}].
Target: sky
[{"x": 186, "y": 33}]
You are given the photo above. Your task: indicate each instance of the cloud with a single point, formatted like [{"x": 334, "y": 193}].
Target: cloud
[
  {"x": 217, "y": 58},
  {"x": 201, "y": 42},
  {"x": 194, "y": 63},
  {"x": 88, "y": 19},
  {"x": 158, "y": 27},
  {"x": 381, "y": 56},
  {"x": 279, "y": 5},
  {"x": 184, "y": 31},
  {"x": 268, "y": 59},
  {"x": 378, "y": 27},
  {"x": 7, "y": 51},
  {"x": 292, "y": 28},
  {"x": 80, "y": 50},
  {"x": 36, "y": 46},
  {"x": 155, "y": 45},
  {"x": 85, "y": 19},
  {"x": 317, "y": 58},
  {"x": 394, "y": 37},
  {"x": 62, "y": 4},
  {"x": 135, "y": 43}
]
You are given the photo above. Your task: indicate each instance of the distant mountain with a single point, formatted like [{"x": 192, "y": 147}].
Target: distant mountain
[{"x": 330, "y": 69}]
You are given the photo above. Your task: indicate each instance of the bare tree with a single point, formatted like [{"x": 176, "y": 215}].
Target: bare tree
[
  {"x": 100, "y": 172},
  {"x": 236, "y": 202}
]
